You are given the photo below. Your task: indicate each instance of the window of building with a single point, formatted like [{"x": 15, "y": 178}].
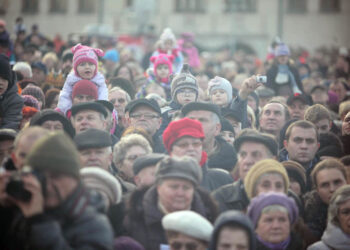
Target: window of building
[
  {"x": 196, "y": 6},
  {"x": 58, "y": 6},
  {"x": 4, "y": 4},
  {"x": 30, "y": 6},
  {"x": 297, "y": 6},
  {"x": 240, "y": 5},
  {"x": 129, "y": 3},
  {"x": 329, "y": 6},
  {"x": 87, "y": 6}
]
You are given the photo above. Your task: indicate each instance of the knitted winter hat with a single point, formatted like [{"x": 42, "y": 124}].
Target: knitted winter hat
[
  {"x": 282, "y": 50},
  {"x": 220, "y": 83},
  {"x": 226, "y": 125},
  {"x": 102, "y": 181},
  {"x": 162, "y": 59},
  {"x": 36, "y": 92},
  {"x": 28, "y": 111},
  {"x": 85, "y": 87},
  {"x": 260, "y": 168},
  {"x": 83, "y": 53},
  {"x": 30, "y": 101},
  {"x": 167, "y": 35},
  {"x": 183, "y": 80},
  {"x": 257, "y": 204},
  {"x": 5, "y": 68},
  {"x": 55, "y": 153},
  {"x": 112, "y": 55},
  {"x": 297, "y": 172},
  {"x": 181, "y": 128}
]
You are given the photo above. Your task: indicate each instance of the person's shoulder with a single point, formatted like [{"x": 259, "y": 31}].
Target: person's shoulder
[{"x": 318, "y": 246}]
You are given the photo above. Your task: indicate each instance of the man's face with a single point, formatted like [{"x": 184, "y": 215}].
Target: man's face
[
  {"x": 86, "y": 119},
  {"x": 327, "y": 182},
  {"x": 182, "y": 241},
  {"x": 210, "y": 127},
  {"x": 52, "y": 125},
  {"x": 232, "y": 239},
  {"x": 320, "y": 97},
  {"x": 19, "y": 154},
  {"x": 297, "y": 110},
  {"x": 6, "y": 147},
  {"x": 146, "y": 118},
  {"x": 146, "y": 177},
  {"x": 118, "y": 98},
  {"x": 302, "y": 145},
  {"x": 125, "y": 168},
  {"x": 96, "y": 157},
  {"x": 272, "y": 118},
  {"x": 175, "y": 194},
  {"x": 323, "y": 126},
  {"x": 249, "y": 154},
  {"x": 189, "y": 146},
  {"x": 3, "y": 85},
  {"x": 58, "y": 188},
  {"x": 38, "y": 76}
]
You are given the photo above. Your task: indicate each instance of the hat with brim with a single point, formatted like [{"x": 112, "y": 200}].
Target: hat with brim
[
  {"x": 93, "y": 138},
  {"x": 95, "y": 106},
  {"x": 143, "y": 102}
]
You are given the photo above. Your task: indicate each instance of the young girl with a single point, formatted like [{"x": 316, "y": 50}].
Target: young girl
[
  {"x": 220, "y": 91},
  {"x": 159, "y": 75},
  {"x": 167, "y": 45},
  {"x": 85, "y": 61}
]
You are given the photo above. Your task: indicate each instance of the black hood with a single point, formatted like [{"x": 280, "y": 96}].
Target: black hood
[{"x": 233, "y": 218}]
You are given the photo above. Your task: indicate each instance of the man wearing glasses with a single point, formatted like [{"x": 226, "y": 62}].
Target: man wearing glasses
[{"x": 146, "y": 113}]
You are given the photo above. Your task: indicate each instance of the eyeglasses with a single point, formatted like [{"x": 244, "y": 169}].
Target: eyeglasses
[
  {"x": 186, "y": 91},
  {"x": 146, "y": 116},
  {"x": 194, "y": 144},
  {"x": 187, "y": 246}
]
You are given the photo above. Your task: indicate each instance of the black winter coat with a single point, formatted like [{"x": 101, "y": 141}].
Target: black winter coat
[
  {"x": 271, "y": 76},
  {"x": 11, "y": 105},
  {"x": 214, "y": 178},
  {"x": 75, "y": 224},
  {"x": 143, "y": 221}
]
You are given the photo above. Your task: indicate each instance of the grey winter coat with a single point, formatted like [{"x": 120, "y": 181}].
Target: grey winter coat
[{"x": 333, "y": 239}]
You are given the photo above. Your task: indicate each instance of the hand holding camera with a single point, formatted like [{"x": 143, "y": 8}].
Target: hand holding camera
[
  {"x": 250, "y": 84},
  {"x": 24, "y": 189}
]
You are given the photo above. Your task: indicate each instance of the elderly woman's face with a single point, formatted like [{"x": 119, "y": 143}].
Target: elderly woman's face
[
  {"x": 344, "y": 217},
  {"x": 270, "y": 183},
  {"x": 273, "y": 226},
  {"x": 175, "y": 194},
  {"x": 131, "y": 155}
]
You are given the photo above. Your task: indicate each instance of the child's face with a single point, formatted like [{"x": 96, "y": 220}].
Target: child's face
[
  {"x": 162, "y": 71},
  {"x": 86, "y": 70},
  {"x": 219, "y": 97},
  {"x": 228, "y": 136},
  {"x": 168, "y": 45},
  {"x": 185, "y": 95}
]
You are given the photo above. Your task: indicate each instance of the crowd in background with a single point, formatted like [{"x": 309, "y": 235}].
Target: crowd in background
[{"x": 106, "y": 143}]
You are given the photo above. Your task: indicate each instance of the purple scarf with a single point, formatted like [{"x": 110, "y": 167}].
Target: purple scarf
[{"x": 275, "y": 246}]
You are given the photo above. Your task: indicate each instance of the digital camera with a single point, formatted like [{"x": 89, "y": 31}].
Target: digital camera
[
  {"x": 261, "y": 79},
  {"x": 15, "y": 187}
]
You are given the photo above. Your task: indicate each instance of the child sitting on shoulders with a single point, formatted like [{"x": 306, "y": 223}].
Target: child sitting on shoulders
[{"x": 85, "y": 65}]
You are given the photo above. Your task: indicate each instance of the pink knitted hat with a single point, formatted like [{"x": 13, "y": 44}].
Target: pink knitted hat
[
  {"x": 162, "y": 59},
  {"x": 83, "y": 53}
]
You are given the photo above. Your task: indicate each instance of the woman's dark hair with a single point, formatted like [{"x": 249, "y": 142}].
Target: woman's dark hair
[{"x": 50, "y": 96}]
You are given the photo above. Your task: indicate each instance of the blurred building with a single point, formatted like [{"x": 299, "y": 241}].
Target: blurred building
[{"x": 216, "y": 23}]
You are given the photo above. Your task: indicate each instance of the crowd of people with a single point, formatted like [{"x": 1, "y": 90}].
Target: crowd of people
[{"x": 181, "y": 149}]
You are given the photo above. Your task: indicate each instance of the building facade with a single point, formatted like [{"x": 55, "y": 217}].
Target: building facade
[{"x": 309, "y": 23}]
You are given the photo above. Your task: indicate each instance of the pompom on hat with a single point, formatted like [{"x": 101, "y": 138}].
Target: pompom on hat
[{"x": 83, "y": 53}]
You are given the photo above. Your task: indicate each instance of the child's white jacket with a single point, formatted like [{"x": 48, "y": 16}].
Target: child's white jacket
[{"x": 65, "y": 98}]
